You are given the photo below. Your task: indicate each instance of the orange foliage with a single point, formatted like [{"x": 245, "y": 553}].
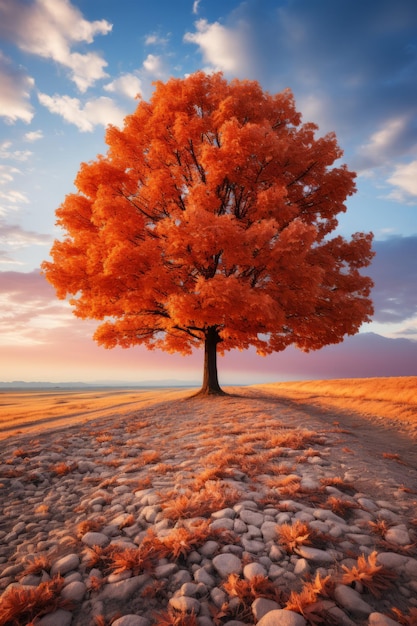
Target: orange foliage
[{"x": 208, "y": 220}]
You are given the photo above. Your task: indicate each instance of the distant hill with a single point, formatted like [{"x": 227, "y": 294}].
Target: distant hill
[{"x": 21, "y": 384}]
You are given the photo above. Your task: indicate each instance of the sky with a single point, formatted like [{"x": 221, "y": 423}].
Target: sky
[{"x": 70, "y": 67}]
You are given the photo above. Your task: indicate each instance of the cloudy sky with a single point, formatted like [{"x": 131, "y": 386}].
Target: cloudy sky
[{"x": 68, "y": 68}]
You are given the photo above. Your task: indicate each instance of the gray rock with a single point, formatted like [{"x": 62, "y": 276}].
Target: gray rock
[
  {"x": 131, "y": 620},
  {"x": 57, "y": 618},
  {"x": 282, "y": 617},
  {"x": 378, "y": 619},
  {"x": 202, "y": 576},
  {"x": 398, "y": 535},
  {"x": 410, "y": 567},
  {"x": 391, "y": 560},
  {"x": 226, "y": 564},
  {"x": 95, "y": 539},
  {"x": 74, "y": 591},
  {"x": 150, "y": 512},
  {"x": 65, "y": 564},
  {"x": 124, "y": 589},
  {"x": 209, "y": 548},
  {"x": 252, "y": 545},
  {"x": 165, "y": 571},
  {"x": 314, "y": 554},
  {"x": 185, "y": 604},
  {"x": 352, "y": 601},
  {"x": 224, "y": 513},
  {"x": 275, "y": 554},
  {"x": 254, "y": 569},
  {"x": 218, "y": 596},
  {"x": 268, "y": 530},
  {"x": 301, "y": 567},
  {"x": 251, "y": 517},
  {"x": 340, "y": 617},
  {"x": 189, "y": 589},
  {"x": 262, "y": 606},
  {"x": 223, "y": 523},
  {"x": 239, "y": 526}
]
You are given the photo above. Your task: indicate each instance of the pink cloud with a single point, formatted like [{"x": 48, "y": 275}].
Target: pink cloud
[{"x": 42, "y": 340}]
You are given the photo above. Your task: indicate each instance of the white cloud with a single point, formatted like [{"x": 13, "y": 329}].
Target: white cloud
[
  {"x": 14, "y": 236},
  {"x": 389, "y": 141},
  {"x": 404, "y": 179},
  {"x": 15, "y": 88},
  {"x": 10, "y": 201},
  {"x": 15, "y": 197},
  {"x": 98, "y": 111},
  {"x": 15, "y": 155},
  {"x": 86, "y": 69},
  {"x": 196, "y": 4},
  {"x": 7, "y": 173},
  {"x": 224, "y": 49},
  {"x": 154, "y": 65},
  {"x": 154, "y": 39},
  {"x": 34, "y": 135},
  {"x": 49, "y": 28},
  {"x": 127, "y": 85}
]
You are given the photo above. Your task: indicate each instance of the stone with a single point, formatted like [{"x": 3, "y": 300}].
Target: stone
[
  {"x": 392, "y": 560},
  {"x": 251, "y": 517},
  {"x": 282, "y": 617},
  {"x": 57, "y": 618},
  {"x": 254, "y": 569},
  {"x": 398, "y": 535},
  {"x": 268, "y": 530},
  {"x": 92, "y": 539},
  {"x": 209, "y": 548},
  {"x": 131, "y": 620},
  {"x": 224, "y": 513},
  {"x": 218, "y": 596},
  {"x": 226, "y": 564},
  {"x": 351, "y": 600},
  {"x": 74, "y": 591},
  {"x": 223, "y": 523},
  {"x": 378, "y": 619},
  {"x": 165, "y": 571},
  {"x": 314, "y": 554},
  {"x": 202, "y": 576},
  {"x": 65, "y": 564},
  {"x": 252, "y": 545},
  {"x": 262, "y": 606},
  {"x": 185, "y": 604},
  {"x": 301, "y": 567},
  {"x": 124, "y": 589}
]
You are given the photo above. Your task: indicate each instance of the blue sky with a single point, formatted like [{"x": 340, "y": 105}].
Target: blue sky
[{"x": 67, "y": 69}]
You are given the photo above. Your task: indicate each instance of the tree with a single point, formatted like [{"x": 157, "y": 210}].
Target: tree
[{"x": 208, "y": 223}]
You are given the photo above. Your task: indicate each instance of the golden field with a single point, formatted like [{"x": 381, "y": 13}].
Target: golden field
[
  {"x": 392, "y": 398},
  {"x": 27, "y": 411}
]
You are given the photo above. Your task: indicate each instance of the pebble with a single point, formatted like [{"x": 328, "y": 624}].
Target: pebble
[
  {"x": 226, "y": 564},
  {"x": 261, "y": 606},
  {"x": 104, "y": 501},
  {"x": 281, "y": 617},
  {"x": 351, "y": 600}
]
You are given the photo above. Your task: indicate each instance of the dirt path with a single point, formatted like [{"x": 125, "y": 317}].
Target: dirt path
[
  {"x": 375, "y": 448},
  {"x": 372, "y": 449}
]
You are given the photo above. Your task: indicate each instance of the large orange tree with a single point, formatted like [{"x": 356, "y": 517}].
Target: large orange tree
[{"x": 208, "y": 223}]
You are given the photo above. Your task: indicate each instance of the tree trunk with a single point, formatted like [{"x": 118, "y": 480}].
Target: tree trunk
[{"x": 210, "y": 381}]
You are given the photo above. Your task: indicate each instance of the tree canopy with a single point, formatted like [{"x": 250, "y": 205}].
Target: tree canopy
[{"x": 208, "y": 222}]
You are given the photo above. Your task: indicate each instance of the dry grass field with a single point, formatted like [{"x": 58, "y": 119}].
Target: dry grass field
[
  {"x": 32, "y": 411},
  {"x": 394, "y": 399},
  {"x": 391, "y": 398}
]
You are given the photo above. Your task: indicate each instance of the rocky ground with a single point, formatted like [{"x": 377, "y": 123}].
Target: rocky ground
[{"x": 231, "y": 510}]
